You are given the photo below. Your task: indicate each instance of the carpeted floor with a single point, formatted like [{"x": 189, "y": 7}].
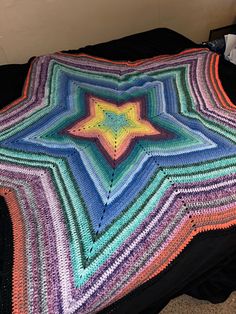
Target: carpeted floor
[{"x": 188, "y": 305}]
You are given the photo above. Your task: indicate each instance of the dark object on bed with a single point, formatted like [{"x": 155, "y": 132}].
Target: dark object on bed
[
  {"x": 206, "y": 268},
  {"x": 217, "y": 45}
]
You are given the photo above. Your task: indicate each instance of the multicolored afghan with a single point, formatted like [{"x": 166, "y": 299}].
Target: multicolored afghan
[{"x": 109, "y": 170}]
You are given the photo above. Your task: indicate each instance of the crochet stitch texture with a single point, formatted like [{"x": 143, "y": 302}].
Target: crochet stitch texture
[{"x": 109, "y": 169}]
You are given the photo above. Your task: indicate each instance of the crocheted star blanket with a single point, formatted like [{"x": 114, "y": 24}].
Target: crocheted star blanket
[{"x": 109, "y": 170}]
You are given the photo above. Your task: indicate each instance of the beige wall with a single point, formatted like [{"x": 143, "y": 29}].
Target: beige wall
[{"x": 32, "y": 27}]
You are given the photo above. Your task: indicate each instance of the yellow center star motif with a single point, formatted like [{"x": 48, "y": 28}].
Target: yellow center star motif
[{"x": 115, "y": 126}]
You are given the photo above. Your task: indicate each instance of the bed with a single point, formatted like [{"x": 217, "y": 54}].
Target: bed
[{"x": 59, "y": 253}]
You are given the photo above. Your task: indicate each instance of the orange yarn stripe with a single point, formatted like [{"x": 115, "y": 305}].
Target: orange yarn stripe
[{"x": 19, "y": 294}]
